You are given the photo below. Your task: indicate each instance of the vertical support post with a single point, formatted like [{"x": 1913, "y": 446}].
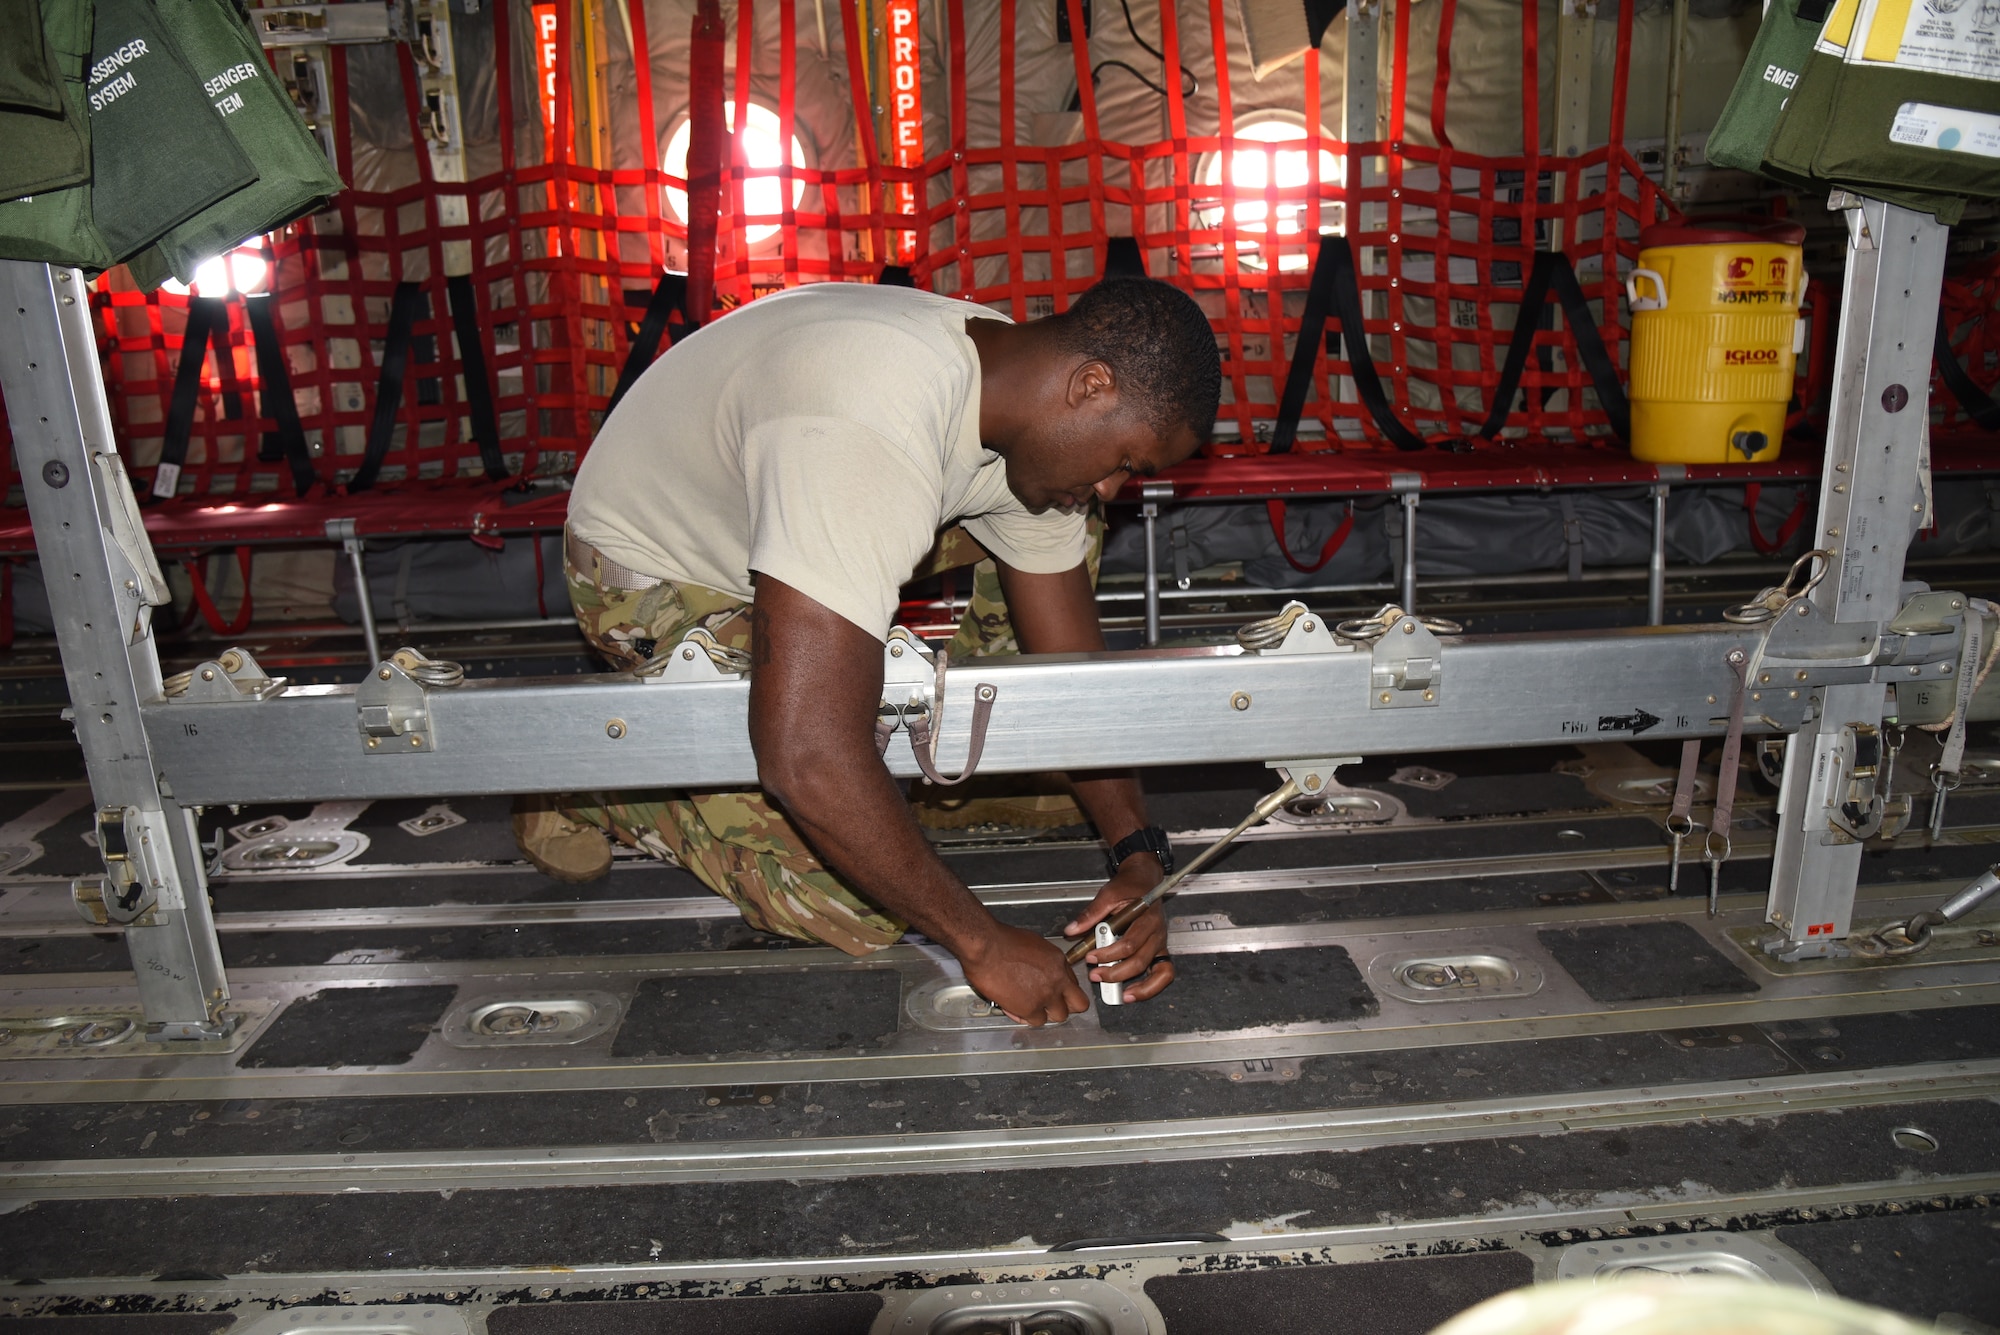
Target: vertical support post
[
  {"x": 1150, "y": 496},
  {"x": 342, "y": 531},
  {"x": 1406, "y": 486},
  {"x": 1656, "y": 571},
  {"x": 444, "y": 132},
  {"x": 1360, "y": 124},
  {"x": 1870, "y": 503},
  {"x": 1576, "y": 32},
  {"x": 1670, "y": 173},
  {"x": 86, "y": 523}
]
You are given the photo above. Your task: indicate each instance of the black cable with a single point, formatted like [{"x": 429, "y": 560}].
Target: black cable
[
  {"x": 1103, "y": 65},
  {"x": 1193, "y": 85}
]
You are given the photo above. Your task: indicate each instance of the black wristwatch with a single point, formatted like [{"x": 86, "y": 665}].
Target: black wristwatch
[{"x": 1152, "y": 840}]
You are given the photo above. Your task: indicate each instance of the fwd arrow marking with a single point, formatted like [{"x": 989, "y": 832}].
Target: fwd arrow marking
[{"x": 1635, "y": 722}]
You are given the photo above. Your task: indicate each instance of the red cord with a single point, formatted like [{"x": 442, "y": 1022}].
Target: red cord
[
  {"x": 202, "y": 599},
  {"x": 1275, "y": 510}
]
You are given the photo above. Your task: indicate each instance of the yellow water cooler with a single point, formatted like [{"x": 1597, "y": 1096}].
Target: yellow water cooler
[{"x": 1715, "y": 335}]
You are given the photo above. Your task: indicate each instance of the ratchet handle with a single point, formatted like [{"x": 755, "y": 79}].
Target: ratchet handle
[{"x": 1119, "y": 921}]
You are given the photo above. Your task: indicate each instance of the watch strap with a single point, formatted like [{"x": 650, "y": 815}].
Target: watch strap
[{"x": 1152, "y": 839}]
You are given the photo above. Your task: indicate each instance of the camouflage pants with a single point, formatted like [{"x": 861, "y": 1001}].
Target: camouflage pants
[{"x": 737, "y": 843}]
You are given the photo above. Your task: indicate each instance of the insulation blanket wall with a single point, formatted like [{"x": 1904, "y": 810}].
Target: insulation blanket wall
[{"x": 1030, "y": 164}]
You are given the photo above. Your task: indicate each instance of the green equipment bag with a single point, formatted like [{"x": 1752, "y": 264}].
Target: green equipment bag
[
  {"x": 1919, "y": 99},
  {"x": 293, "y": 175},
  {"x": 1894, "y": 101},
  {"x": 158, "y": 154},
  {"x": 47, "y": 147},
  {"x": 1778, "y": 56},
  {"x": 1758, "y": 130},
  {"x": 28, "y": 77}
]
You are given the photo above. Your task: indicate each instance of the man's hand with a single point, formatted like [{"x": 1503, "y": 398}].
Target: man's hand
[
  {"x": 1133, "y": 954},
  {"x": 1025, "y": 976}
]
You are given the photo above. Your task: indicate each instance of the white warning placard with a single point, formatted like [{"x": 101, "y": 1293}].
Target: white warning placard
[{"x": 1958, "y": 37}]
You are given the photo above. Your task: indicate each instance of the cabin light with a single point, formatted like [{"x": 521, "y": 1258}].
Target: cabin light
[
  {"x": 1251, "y": 171},
  {"x": 242, "y": 272},
  {"x": 763, "y": 195}
]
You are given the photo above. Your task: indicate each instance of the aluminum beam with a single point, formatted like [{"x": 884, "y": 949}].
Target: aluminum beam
[{"x": 1161, "y": 707}]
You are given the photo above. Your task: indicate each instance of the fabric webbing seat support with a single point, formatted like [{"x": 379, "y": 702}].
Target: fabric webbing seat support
[
  {"x": 669, "y": 295},
  {"x": 288, "y": 441},
  {"x": 206, "y": 317},
  {"x": 465, "y": 325},
  {"x": 389, "y": 383}
]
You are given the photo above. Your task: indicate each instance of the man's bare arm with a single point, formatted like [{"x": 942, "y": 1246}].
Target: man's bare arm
[
  {"x": 1057, "y": 614},
  {"x": 815, "y": 683}
]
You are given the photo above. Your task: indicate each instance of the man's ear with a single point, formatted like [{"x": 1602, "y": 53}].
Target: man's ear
[{"x": 1092, "y": 382}]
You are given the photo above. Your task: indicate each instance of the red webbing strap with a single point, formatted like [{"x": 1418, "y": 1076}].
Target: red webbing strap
[
  {"x": 203, "y": 601},
  {"x": 788, "y": 231},
  {"x": 1275, "y": 510},
  {"x": 1752, "y": 493},
  {"x": 961, "y": 185},
  {"x": 870, "y": 178},
  {"x": 642, "y": 71},
  {"x": 1233, "y": 370},
  {"x": 1086, "y": 93},
  {"x": 705, "y": 147},
  {"x": 737, "y": 160},
  {"x": 1010, "y": 178}
]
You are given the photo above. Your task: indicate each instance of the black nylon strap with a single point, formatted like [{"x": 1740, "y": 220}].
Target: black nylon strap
[
  {"x": 1123, "y": 258},
  {"x": 288, "y": 442},
  {"x": 389, "y": 387},
  {"x": 669, "y": 295},
  {"x": 1335, "y": 290},
  {"x": 205, "y": 315},
  {"x": 1978, "y": 404},
  {"x": 1552, "y": 269},
  {"x": 472, "y": 361}
]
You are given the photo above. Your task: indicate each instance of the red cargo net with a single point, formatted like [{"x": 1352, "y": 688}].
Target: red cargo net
[{"x": 1443, "y": 239}]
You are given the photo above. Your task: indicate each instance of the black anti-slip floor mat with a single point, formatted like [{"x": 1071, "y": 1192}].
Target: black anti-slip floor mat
[
  {"x": 796, "y": 1314},
  {"x": 1922, "y": 1265},
  {"x": 1249, "y": 989},
  {"x": 1963, "y": 1033},
  {"x": 767, "y": 1010},
  {"x": 351, "y": 1026},
  {"x": 924, "y": 1212},
  {"x": 1376, "y": 1298},
  {"x": 1644, "y": 961},
  {"x": 100, "y": 1323}
]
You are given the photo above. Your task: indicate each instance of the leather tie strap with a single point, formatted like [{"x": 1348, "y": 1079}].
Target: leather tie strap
[
  {"x": 1681, "y": 818},
  {"x": 1732, "y": 753},
  {"x": 927, "y": 728}
]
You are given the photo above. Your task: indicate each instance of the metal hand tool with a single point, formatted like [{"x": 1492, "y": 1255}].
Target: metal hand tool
[{"x": 1126, "y": 916}]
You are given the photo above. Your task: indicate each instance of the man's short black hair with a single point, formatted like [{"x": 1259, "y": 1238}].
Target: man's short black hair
[{"x": 1159, "y": 346}]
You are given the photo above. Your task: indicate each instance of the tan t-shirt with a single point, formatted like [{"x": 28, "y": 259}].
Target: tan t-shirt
[{"x": 822, "y": 436}]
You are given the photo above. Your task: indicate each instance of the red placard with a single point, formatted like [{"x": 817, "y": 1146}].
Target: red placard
[
  {"x": 904, "y": 73},
  {"x": 546, "y": 55}
]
